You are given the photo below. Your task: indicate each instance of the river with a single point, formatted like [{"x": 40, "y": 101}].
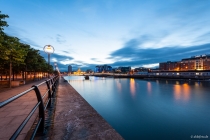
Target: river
[{"x": 149, "y": 109}]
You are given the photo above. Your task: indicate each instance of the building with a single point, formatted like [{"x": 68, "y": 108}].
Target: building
[
  {"x": 124, "y": 69},
  {"x": 141, "y": 69},
  {"x": 200, "y": 62},
  {"x": 169, "y": 66},
  {"x": 79, "y": 72},
  {"x": 103, "y": 68},
  {"x": 69, "y": 69},
  {"x": 89, "y": 71}
]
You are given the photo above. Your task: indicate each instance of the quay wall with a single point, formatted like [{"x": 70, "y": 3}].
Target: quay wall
[{"x": 75, "y": 118}]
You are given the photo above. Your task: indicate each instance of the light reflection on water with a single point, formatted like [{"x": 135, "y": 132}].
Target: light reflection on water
[
  {"x": 149, "y": 88},
  {"x": 132, "y": 87},
  {"x": 149, "y": 109},
  {"x": 182, "y": 92},
  {"x": 119, "y": 86}
]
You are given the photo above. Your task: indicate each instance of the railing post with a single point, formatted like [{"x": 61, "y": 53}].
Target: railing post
[
  {"x": 54, "y": 81},
  {"x": 53, "y": 87},
  {"x": 41, "y": 108},
  {"x": 49, "y": 93}
]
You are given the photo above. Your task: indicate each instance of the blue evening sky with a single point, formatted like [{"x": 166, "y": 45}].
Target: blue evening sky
[{"x": 136, "y": 33}]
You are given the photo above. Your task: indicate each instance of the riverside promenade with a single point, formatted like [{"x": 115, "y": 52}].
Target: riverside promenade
[
  {"x": 13, "y": 114},
  {"x": 74, "y": 118}
]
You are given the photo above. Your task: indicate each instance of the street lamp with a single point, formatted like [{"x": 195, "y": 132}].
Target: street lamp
[
  {"x": 55, "y": 64},
  {"x": 48, "y": 49}
]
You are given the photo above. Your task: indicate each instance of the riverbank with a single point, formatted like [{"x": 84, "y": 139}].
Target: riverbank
[{"x": 75, "y": 118}]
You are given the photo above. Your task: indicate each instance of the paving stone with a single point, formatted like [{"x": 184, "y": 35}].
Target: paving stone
[{"x": 13, "y": 114}]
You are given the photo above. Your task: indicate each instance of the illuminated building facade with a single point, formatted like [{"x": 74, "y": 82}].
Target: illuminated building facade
[
  {"x": 200, "y": 62},
  {"x": 169, "y": 66}
]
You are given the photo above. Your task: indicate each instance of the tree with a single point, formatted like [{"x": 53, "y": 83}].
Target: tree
[
  {"x": 3, "y": 23},
  {"x": 12, "y": 52}
]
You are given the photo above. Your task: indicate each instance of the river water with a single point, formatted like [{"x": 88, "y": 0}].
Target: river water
[{"x": 149, "y": 109}]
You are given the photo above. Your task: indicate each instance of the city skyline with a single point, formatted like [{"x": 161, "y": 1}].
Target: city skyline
[{"x": 118, "y": 33}]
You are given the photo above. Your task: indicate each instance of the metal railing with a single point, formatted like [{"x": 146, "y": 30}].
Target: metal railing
[{"x": 51, "y": 87}]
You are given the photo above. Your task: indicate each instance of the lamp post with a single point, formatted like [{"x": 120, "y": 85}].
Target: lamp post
[
  {"x": 55, "y": 64},
  {"x": 48, "y": 49}
]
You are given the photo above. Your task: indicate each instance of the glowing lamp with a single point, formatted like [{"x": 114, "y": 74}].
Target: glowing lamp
[{"x": 48, "y": 49}]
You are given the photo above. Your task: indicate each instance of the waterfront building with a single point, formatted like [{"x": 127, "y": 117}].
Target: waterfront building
[
  {"x": 124, "y": 69},
  {"x": 69, "y": 69},
  {"x": 169, "y": 66},
  {"x": 79, "y": 72},
  {"x": 114, "y": 70},
  {"x": 89, "y": 71},
  {"x": 103, "y": 68},
  {"x": 200, "y": 62},
  {"x": 141, "y": 69}
]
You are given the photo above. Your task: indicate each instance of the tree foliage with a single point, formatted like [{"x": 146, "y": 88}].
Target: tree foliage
[{"x": 3, "y": 23}]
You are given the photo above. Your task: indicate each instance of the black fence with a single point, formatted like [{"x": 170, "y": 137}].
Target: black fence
[{"x": 51, "y": 88}]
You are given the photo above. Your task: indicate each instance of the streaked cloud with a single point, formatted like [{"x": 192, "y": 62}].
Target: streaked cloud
[{"x": 60, "y": 39}]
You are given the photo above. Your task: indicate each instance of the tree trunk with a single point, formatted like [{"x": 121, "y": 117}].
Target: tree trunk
[
  {"x": 10, "y": 73},
  {"x": 13, "y": 75},
  {"x": 22, "y": 74},
  {"x": 34, "y": 75},
  {"x": 26, "y": 74},
  {"x": 16, "y": 74}
]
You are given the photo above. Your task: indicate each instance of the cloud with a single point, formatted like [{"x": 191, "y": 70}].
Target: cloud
[
  {"x": 60, "y": 39},
  {"x": 21, "y": 34},
  {"x": 30, "y": 42},
  {"x": 61, "y": 60},
  {"x": 65, "y": 52},
  {"x": 56, "y": 56},
  {"x": 132, "y": 55},
  {"x": 95, "y": 59}
]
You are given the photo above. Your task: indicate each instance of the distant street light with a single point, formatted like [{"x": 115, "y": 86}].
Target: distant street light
[
  {"x": 55, "y": 64},
  {"x": 48, "y": 49}
]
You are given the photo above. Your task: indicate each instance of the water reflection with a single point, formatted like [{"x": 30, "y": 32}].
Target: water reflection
[
  {"x": 132, "y": 87},
  {"x": 119, "y": 86},
  {"x": 149, "y": 87},
  {"x": 197, "y": 84},
  {"x": 182, "y": 92}
]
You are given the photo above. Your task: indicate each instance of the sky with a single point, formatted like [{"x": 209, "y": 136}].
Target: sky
[{"x": 136, "y": 33}]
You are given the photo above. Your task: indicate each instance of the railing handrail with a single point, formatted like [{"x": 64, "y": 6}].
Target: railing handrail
[
  {"x": 15, "y": 97},
  {"x": 51, "y": 87}
]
